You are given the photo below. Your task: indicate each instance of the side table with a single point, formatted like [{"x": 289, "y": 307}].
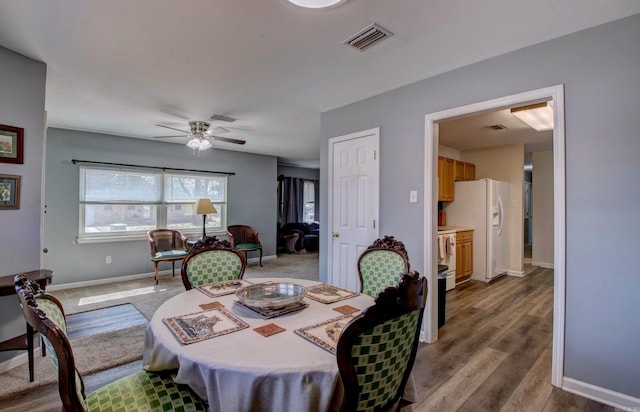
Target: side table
[{"x": 24, "y": 342}]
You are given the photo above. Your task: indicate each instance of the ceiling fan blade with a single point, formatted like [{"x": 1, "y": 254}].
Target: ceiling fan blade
[
  {"x": 173, "y": 128},
  {"x": 217, "y": 130},
  {"x": 228, "y": 140},
  {"x": 163, "y": 137}
]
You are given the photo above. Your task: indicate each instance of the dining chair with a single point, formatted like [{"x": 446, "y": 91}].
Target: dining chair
[
  {"x": 381, "y": 265},
  {"x": 376, "y": 351},
  {"x": 141, "y": 391},
  {"x": 167, "y": 245},
  {"x": 245, "y": 239},
  {"x": 212, "y": 260}
]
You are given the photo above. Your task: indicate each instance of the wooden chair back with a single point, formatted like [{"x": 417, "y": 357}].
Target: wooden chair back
[
  {"x": 45, "y": 314},
  {"x": 381, "y": 265},
  {"x": 211, "y": 261},
  {"x": 376, "y": 351}
]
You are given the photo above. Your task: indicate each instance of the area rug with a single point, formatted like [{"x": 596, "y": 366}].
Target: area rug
[
  {"x": 92, "y": 354},
  {"x": 100, "y": 321}
]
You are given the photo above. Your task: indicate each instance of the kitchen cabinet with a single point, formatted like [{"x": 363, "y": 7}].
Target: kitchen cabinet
[
  {"x": 446, "y": 171},
  {"x": 464, "y": 171},
  {"x": 464, "y": 255}
]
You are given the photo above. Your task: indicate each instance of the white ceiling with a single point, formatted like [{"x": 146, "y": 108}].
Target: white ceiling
[{"x": 122, "y": 66}]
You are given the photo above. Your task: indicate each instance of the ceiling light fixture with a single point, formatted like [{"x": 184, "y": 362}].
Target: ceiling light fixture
[
  {"x": 198, "y": 139},
  {"x": 317, "y": 4},
  {"x": 539, "y": 115}
]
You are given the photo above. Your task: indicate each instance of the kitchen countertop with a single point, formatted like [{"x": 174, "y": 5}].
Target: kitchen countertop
[{"x": 443, "y": 230}]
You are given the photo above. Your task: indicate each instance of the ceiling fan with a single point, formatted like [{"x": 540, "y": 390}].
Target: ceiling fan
[{"x": 202, "y": 135}]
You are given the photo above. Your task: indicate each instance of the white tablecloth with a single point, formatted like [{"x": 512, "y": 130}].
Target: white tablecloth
[{"x": 244, "y": 371}]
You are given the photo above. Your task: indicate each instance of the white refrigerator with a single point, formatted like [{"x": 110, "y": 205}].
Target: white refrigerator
[{"x": 482, "y": 205}]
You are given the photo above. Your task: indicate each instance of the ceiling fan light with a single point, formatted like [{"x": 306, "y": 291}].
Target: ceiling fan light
[
  {"x": 204, "y": 145},
  {"x": 316, "y": 4},
  {"x": 194, "y": 144}
]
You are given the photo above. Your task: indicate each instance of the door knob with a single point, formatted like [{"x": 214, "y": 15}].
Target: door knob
[{"x": 335, "y": 234}]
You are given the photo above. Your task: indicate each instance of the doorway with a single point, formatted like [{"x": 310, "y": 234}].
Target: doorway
[{"x": 554, "y": 94}]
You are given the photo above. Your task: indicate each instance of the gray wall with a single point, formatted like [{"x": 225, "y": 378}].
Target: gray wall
[
  {"x": 251, "y": 199},
  {"x": 22, "y": 82},
  {"x": 600, "y": 70}
]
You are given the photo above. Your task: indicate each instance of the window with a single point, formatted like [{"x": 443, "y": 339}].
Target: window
[
  {"x": 116, "y": 203},
  {"x": 309, "y": 201}
]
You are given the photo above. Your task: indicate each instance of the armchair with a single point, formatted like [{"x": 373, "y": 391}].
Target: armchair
[
  {"x": 245, "y": 239},
  {"x": 167, "y": 245}
]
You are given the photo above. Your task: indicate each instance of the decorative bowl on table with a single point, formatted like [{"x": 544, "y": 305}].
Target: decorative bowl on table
[{"x": 271, "y": 295}]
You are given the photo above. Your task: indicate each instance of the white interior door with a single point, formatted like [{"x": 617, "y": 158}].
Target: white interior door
[{"x": 353, "y": 203}]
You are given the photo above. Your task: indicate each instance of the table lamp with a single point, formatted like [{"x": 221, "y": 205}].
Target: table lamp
[{"x": 204, "y": 207}]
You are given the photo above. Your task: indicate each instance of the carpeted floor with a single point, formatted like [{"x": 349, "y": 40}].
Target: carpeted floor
[{"x": 102, "y": 351}]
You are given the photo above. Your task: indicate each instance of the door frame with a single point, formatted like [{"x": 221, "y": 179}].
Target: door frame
[
  {"x": 556, "y": 95},
  {"x": 376, "y": 190}
]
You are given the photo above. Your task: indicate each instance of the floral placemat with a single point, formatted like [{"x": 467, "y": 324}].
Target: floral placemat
[
  {"x": 223, "y": 288},
  {"x": 325, "y": 334},
  {"x": 272, "y": 313},
  {"x": 328, "y": 293},
  {"x": 196, "y": 327}
]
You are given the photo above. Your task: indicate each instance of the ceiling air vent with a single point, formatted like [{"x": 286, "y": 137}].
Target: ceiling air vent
[
  {"x": 367, "y": 37},
  {"x": 497, "y": 127}
]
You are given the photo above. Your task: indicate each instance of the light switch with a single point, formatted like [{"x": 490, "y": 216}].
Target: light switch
[{"x": 413, "y": 196}]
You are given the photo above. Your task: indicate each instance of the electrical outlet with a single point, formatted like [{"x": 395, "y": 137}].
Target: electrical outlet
[
  {"x": 413, "y": 196},
  {"x": 108, "y": 260}
]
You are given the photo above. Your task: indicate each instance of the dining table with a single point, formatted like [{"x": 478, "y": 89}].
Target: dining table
[{"x": 240, "y": 359}]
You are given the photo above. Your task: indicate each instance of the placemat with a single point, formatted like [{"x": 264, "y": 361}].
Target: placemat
[
  {"x": 328, "y": 293},
  {"x": 217, "y": 289},
  {"x": 199, "y": 326},
  {"x": 325, "y": 334},
  {"x": 272, "y": 313}
]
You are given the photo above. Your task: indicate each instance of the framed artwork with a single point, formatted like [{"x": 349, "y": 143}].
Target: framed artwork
[
  {"x": 9, "y": 192},
  {"x": 11, "y": 144}
]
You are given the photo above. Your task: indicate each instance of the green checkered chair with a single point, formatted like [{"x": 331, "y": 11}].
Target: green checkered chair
[
  {"x": 377, "y": 349},
  {"x": 381, "y": 265},
  {"x": 212, "y": 262},
  {"x": 141, "y": 391}
]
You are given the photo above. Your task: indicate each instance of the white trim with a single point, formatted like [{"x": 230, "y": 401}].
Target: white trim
[
  {"x": 545, "y": 265},
  {"x": 149, "y": 275},
  {"x": 516, "y": 273},
  {"x": 608, "y": 397},
  {"x": 376, "y": 206},
  {"x": 556, "y": 94}
]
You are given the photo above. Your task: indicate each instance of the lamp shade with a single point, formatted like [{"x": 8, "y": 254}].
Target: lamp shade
[{"x": 204, "y": 207}]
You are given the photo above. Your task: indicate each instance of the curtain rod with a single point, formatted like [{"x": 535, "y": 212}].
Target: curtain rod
[{"x": 74, "y": 161}]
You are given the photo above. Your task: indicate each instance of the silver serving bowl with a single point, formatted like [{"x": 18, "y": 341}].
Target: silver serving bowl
[{"x": 271, "y": 295}]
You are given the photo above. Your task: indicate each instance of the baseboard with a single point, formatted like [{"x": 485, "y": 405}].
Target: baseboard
[
  {"x": 602, "y": 395},
  {"x": 516, "y": 273},
  {"x": 264, "y": 258},
  {"x": 125, "y": 278},
  {"x": 543, "y": 265}
]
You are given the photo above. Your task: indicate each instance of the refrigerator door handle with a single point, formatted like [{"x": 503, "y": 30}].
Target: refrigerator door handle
[{"x": 500, "y": 214}]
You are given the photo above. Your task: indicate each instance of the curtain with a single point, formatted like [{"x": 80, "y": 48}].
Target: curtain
[{"x": 292, "y": 202}]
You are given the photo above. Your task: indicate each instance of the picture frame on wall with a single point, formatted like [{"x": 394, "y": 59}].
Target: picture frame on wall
[
  {"x": 11, "y": 144},
  {"x": 9, "y": 192}
]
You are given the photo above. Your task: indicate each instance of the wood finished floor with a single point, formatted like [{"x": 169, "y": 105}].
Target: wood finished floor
[{"x": 494, "y": 354}]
